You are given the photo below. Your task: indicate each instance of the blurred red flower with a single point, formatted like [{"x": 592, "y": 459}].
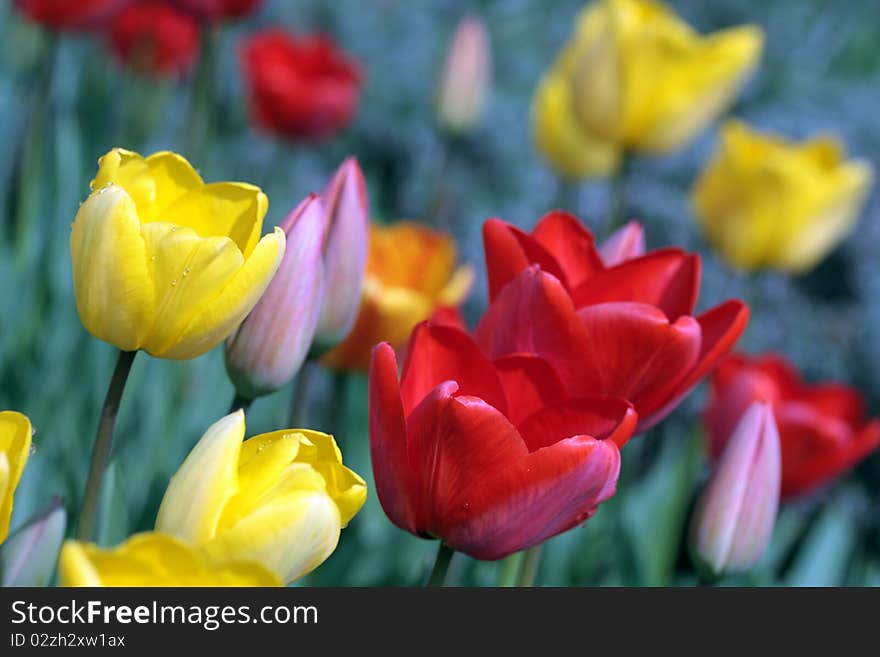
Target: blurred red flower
[
  {"x": 301, "y": 87},
  {"x": 621, "y": 326},
  {"x": 823, "y": 429},
  {"x": 218, "y": 9},
  {"x": 70, "y": 14},
  {"x": 154, "y": 37},
  {"x": 489, "y": 456}
]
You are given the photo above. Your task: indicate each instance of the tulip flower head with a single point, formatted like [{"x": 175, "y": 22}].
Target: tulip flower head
[
  {"x": 823, "y": 428},
  {"x": 490, "y": 456},
  {"x": 154, "y": 559},
  {"x": 764, "y": 202},
  {"x": 300, "y": 87},
  {"x": 624, "y": 329},
  {"x": 464, "y": 82},
  {"x": 70, "y": 14},
  {"x": 266, "y": 351},
  {"x": 635, "y": 77},
  {"x": 279, "y": 499},
  {"x": 15, "y": 447},
  {"x": 411, "y": 272},
  {"x": 155, "y": 38},
  {"x": 164, "y": 262},
  {"x": 735, "y": 515}
]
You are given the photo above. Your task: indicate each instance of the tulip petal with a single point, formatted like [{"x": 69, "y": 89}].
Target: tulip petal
[
  {"x": 129, "y": 171},
  {"x": 572, "y": 245},
  {"x": 603, "y": 418},
  {"x": 445, "y": 353},
  {"x": 509, "y": 251},
  {"x": 624, "y": 244},
  {"x": 208, "y": 478},
  {"x": 218, "y": 316},
  {"x": 15, "y": 447},
  {"x": 388, "y": 440},
  {"x": 173, "y": 177},
  {"x": 114, "y": 292},
  {"x": 666, "y": 278},
  {"x": 529, "y": 383}
]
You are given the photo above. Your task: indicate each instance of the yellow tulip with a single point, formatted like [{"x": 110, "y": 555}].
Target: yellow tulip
[
  {"x": 765, "y": 202},
  {"x": 164, "y": 262},
  {"x": 635, "y": 77},
  {"x": 279, "y": 499},
  {"x": 411, "y": 271},
  {"x": 154, "y": 559},
  {"x": 15, "y": 447}
]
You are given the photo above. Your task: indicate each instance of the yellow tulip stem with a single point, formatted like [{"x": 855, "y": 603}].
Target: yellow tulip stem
[
  {"x": 299, "y": 403},
  {"x": 103, "y": 444},
  {"x": 509, "y": 570},
  {"x": 240, "y": 402},
  {"x": 617, "y": 197},
  {"x": 441, "y": 566},
  {"x": 530, "y": 563}
]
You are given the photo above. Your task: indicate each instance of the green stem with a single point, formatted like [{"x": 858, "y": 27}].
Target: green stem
[
  {"x": 336, "y": 410},
  {"x": 299, "y": 403},
  {"x": 530, "y": 564},
  {"x": 510, "y": 568},
  {"x": 103, "y": 444},
  {"x": 617, "y": 207},
  {"x": 441, "y": 566},
  {"x": 198, "y": 120},
  {"x": 240, "y": 402}
]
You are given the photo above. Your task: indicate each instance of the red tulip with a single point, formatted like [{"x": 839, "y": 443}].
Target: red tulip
[
  {"x": 156, "y": 38},
  {"x": 823, "y": 429},
  {"x": 624, "y": 330},
  {"x": 301, "y": 87},
  {"x": 490, "y": 457},
  {"x": 218, "y": 9},
  {"x": 70, "y": 14}
]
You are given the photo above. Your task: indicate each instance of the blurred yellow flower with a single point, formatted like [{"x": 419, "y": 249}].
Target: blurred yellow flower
[
  {"x": 154, "y": 559},
  {"x": 15, "y": 447},
  {"x": 411, "y": 271},
  {"x": 635, "y": 77},
  {"x": 164, "y": 262},
  {"x": 279, "y": 499},
  {"x": 765, "y": 202}
]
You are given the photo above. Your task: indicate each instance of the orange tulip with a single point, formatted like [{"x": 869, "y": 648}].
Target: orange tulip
[{"x": 411, "y": 272}]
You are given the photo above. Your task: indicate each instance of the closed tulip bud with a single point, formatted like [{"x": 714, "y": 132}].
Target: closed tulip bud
[
  {"x": 464, "y": 83},
  {"x": 764, "y": 202},
  {"x": 164, "y": 262},
  {"x": 28, "y": 557},
  {"x": 272, "y": 343},
  {"x": 346, "y": 226},
  {"x": 15, "y": 447},
  {"x": 736, "y": 512},
  {"x": 279, "y": 499},
  {"x": 626, "y": 243},
  {"x": 154, "y": 559}
]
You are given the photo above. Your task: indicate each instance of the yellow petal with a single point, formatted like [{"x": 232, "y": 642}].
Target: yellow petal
[
  {"x": 172, "y": 177},
  {"x": 128, "y": 170},
  {"x": 291, "y": 535},
  {"x": 187, "y": 271},
  {"x": 204, "y": 483},
  {"x": 218, "y": 316},
  {"x": 458, "y": 287},
  {"x": 154, "y": 559},
  {"x": 114, "y": 294},
  {"x": 15, "y": 448}
]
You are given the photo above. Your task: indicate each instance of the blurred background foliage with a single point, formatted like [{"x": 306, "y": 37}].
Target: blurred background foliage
[{"x": 820, "y": 73}]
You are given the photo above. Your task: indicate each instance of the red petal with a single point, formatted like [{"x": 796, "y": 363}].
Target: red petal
[
  {"x": 440, "y": 353},
  {"x": 388, "y": 440},
  {"x": 668, "y": 279},
  {"x": 573, "y": 246},
  {"x": 835, "y": 401},
  {"x": 509, "y": 251},
  {"x": 604, "y": 418},
  {"x": 448, "y": 316},
  {"x": 529, "y": 384},
  {"x": 624, "y": 244}
]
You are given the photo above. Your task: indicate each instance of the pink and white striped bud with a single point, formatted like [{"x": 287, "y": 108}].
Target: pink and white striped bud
[
  {"x": 346, "y": 231},
  {"x": 271, "y": 344},
  {"x": 736, "y": 512},
  {"x": 625, "y": 243},
  {"x": 464, "y": 82}
]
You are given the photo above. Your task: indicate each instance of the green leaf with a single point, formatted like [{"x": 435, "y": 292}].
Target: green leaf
[
  {"x": 824, "y": 557},
  {"x": 112, "y": 515},
  {"x": 28, "y": 557}
]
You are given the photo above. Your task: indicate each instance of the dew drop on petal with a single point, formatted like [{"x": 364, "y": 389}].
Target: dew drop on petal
[{"x": 173, "y": 282}]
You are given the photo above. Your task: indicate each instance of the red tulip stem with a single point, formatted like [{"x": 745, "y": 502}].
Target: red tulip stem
[
  {"x": 617, "y": 210},
  {"x": 441, "y": 566},
  {"x": 103, "y": 444},
  {"x": 240, "y": 402},
  {"x": 530, "y": 564},
  {"x": 198, "y": 120}
]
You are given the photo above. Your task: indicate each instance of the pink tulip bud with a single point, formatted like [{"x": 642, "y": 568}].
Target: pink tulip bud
[
  {"x": 464, "y": 83},
  {"x": 736, "y": 512},
  {"x": 346, "y": 231},
  {"x": 273, "y": 341},
  {"x": 626, "y": 243}
]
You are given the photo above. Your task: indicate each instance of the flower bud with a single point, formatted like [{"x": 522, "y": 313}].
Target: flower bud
[
  {"x": 346, "y": 226},
  {"x": 272, "y": 343},
  {"x": 28, "y": 557},
  {"x": 464, "y": 83},
  {"x": 736, "y": 512}
]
